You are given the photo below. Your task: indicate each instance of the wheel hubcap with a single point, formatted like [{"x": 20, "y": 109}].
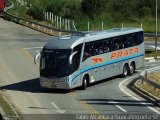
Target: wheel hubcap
[{"x": 125, "y": 70}]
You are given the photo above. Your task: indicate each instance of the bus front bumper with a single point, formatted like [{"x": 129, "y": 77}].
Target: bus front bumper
[{"x": 54, "y": 84}]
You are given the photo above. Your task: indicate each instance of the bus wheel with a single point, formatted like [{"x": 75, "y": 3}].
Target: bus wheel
[
  {"x": 84, "y": 83},
  {"x": 125, "y": 71},
  {"x": 132, "y": 69}
]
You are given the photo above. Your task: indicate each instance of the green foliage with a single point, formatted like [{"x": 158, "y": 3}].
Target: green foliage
[
  {"x": 93, "y": 9},
  {"x": 36, "y": 12}
]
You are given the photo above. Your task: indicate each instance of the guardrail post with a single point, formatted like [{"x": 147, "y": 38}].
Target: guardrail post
[
  {"x": 52, "y": 17},
  {"x": 57, "y": 22},
  {"x": 88, "y": 26},
  {"x": 45, "y": 15},
  {"x": 141, "y": 25},
  {"x": 122, "y": 26},
  {"x": 32, "y": 25},
  {"x": 102, "y": 25},
  {"x": 60, "y": 22},
  {"x": 68, "y": 24}
]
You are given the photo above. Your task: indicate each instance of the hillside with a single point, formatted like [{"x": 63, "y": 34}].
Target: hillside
[{"x": 112, "y": 12}]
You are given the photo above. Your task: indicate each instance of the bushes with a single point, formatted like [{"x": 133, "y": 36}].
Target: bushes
[
  {"x": 36, "y": 12},
  {"x": 93, "y": 9}
]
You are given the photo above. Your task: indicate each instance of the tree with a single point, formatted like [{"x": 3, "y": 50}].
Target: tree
[{"x": 92, "y": 8}]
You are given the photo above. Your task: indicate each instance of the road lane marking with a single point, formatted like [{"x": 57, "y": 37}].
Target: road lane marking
[
  {"x": 118, "y": 106},
  {"x": 88, "y": 107},
  {"x": 72, "y": 94},
  {"x": 33, "y": 48},
  {"x": 27, "y": 54},
  {"x": 122, "y": 89},
  {"x": 57, "y": 108},
  {"x": 30, "y": 57}
]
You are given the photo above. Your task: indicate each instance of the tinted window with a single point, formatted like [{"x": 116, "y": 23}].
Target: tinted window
[
  {"x": 140, "y": 37},
  {"x": 88, "y": 50},
  {"x": 106, "y": 46}
]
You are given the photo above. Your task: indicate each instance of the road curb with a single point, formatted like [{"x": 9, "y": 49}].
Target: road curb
[
  {"x": 3, "y": 115},
  {"x": 142, "y": 93},
  {"x": 147, "y": 93},
  {"x": 15, "y": 112}
]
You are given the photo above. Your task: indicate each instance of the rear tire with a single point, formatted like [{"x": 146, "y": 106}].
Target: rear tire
[
  {"x": 84, "y": 83},
  {"x": 131, "y": 69},
  {"x": 125, "y": 71}
]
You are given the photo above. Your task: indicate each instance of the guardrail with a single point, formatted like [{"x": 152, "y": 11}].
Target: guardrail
[
  {"x": 144, "y": 78},
  {"x": 151, "y": 34},
  {"x": 37, "y": 26}
]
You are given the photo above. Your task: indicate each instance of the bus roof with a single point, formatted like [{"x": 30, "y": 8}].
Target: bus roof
[{"x": 68, "y": 42}]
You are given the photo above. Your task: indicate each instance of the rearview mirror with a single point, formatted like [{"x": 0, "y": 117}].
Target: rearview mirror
[
  {"x": 71, "y": 56},
  {"x": 36, "y": 57}
]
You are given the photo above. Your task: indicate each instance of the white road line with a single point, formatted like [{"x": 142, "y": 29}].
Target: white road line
[
  {"x": 33, "y": 48},
  {"x": 57, "y": 108},
  {"x": 120, "y": 108},
  {"x": 115, "y": 103},
  {"x": 122, "y": 89}
]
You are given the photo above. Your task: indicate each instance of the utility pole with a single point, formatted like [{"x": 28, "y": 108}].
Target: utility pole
[{"x": 156, "y": 36}]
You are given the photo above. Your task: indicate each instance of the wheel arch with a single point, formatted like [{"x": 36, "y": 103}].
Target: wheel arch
[
  {"x": 133, "y": 62},
  {"x": 87, "y": 76}
]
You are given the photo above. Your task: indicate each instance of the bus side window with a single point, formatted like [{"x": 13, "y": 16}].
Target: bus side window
[
  {"x": 115, "y": 44},
  {"x": 130, "y": 40},
  {"x": 88, "y": 51},
  {"x": 135, "y": 39},
  {"x": 125, "y": 41},
  {"x": 98, "y": 47},
  {"x": 106, "y": 46},
  {"x": 140, "y": 37}
]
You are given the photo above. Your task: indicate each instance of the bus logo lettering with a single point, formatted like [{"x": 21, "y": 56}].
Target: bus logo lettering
[
  {"x": 124, "y": 53},
  {"x": 97, "y": 60}
]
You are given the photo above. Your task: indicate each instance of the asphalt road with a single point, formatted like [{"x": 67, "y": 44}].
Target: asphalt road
[{"x": 19, "y": 81}]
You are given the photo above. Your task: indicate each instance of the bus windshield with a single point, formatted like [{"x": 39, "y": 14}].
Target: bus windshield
[{"x": 55, "y": 63}]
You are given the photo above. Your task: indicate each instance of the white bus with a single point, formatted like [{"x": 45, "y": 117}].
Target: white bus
[{"x": 81, "y": 59}]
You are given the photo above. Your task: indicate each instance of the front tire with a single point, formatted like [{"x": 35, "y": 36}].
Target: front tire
[{"x": 84, "y": 83}]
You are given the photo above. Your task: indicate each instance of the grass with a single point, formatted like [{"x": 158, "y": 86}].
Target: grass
[
  {"x": 149, "y": 88},
  {"x": 18, "y": 10},
  {"x": 148, "y": 24},
  {"x": 155, "y": 76}
]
